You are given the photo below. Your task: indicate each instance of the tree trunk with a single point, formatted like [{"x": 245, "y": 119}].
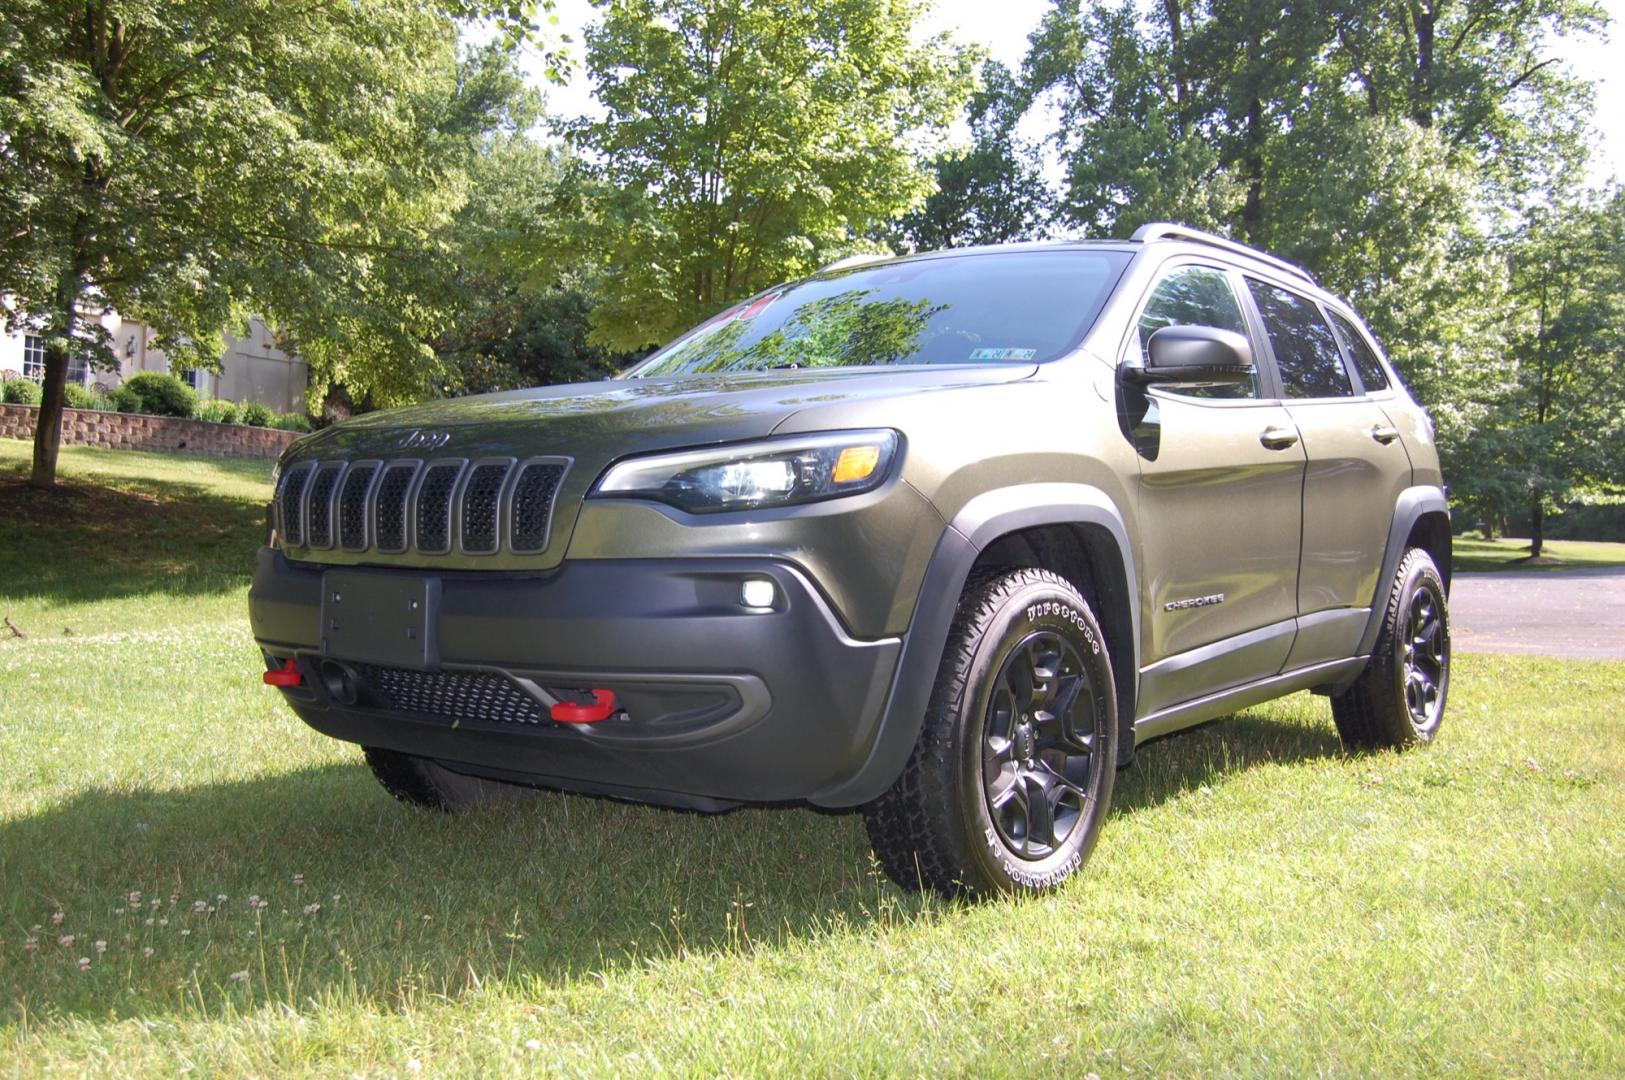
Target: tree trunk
[
  {"x": 48, "y": 425},
  {"x": 1422, "y": 77},
  {"x": 1537, "y": 525},
  {"x": 1252, "y": 211}
]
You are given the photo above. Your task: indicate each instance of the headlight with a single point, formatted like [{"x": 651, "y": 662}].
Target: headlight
[{"x": 774, "y": 472}]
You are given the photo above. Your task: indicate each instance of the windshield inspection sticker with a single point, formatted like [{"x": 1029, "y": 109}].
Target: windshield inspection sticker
[{"x": 1003, "y": 354}]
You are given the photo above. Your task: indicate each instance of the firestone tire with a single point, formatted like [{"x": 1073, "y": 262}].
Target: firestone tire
[
  {"x": 1398, "y": 701},
  {"x": 424, "y": 782},
  {"x": 1012, "y": 775}
]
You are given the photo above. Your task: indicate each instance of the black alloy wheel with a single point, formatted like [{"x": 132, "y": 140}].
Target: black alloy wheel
[
  {"x": 1038, "y": 746},
  {"x": 1011, "y": 777},
  {"x": 1399, "y": 699},
  {"x": 1425, "y": 655}
]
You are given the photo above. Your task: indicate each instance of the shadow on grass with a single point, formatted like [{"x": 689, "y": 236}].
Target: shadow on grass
[
  {"x": 1225, "y": 747},
  {"x": 89, "y": 541},
  {"x": 553, "y": 887}
]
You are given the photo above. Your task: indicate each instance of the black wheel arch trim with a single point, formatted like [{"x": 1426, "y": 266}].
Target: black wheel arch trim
[
  {"x": 1413, "y": 504},
  {"x": 982, "y": 521}
]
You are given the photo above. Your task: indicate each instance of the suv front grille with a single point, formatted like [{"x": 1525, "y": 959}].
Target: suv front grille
[
  {"x": 434, "y": 507},
  {"x": 463, "y": 696},
  {"x": 425, "y": 508}
]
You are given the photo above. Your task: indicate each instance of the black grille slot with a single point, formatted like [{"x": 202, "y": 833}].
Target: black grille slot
[
  {"x": 319, "y": 519},
  {"x": 533, "y": 495},
  {"x": 293, "y": 490},
  {"x": 471, "y": 696},
  {"x": 482, "y": 498},
  {"x": 389, "y": 529},
  {"x": 434, "y": 507},
  {"x": 353, "y": 507}
]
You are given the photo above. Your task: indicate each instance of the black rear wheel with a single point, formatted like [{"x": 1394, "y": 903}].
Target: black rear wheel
[
  {"x": 1399, "y": 699},
  {"x": 1012, "y": 775}
]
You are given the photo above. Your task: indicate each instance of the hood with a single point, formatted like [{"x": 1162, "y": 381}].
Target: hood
[
  {"x": 591, "y": 424},
  {"x": 595, "y": 423}
]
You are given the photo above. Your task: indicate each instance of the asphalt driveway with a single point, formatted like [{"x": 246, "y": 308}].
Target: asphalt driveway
[{"x": 1579, "y": 613}]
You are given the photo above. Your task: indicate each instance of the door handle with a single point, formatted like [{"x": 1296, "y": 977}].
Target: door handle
[
  {"x": 1278, "y": 438},
  {"x": 1385, "y": 433}
]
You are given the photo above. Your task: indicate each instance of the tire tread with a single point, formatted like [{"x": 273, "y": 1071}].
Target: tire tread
[{"x": 911, "y": 826}]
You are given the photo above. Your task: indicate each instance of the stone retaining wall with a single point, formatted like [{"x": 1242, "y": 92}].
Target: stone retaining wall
[{"x": 134, "y": 431}]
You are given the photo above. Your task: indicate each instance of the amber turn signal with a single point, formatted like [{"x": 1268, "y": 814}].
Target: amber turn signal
[{"x": 856, "y": 463}]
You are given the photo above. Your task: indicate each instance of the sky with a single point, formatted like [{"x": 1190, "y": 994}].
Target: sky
[{"x": 1002, "y": 28}]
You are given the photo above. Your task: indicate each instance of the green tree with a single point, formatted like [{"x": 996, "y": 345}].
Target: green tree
[
  {"x": 746, "y": 140},
  {"x": 525, "y": 280},
  {"x": 991, "y": 192},
  {"x": 190, "y": 162},
  {"x": 1133, "y": 138},
  {"x": 1381, "y": 143},
  {"x": 1555, "y": 428}
]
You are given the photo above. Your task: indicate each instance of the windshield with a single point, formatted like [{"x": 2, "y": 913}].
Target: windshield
[{"x": 1018, "y": 307}]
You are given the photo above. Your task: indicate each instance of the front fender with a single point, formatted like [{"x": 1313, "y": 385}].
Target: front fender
[{"x": 978, "y": 525}]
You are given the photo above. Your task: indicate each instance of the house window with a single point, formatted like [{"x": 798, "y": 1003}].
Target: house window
[
  {"x": 192, "y": 377},
  {"x": 34, "y": 357},
  {"x": 34, "y": 362}
]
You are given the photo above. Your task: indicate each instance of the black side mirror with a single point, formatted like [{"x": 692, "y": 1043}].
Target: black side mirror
[{"x": 1195, "y": 354}]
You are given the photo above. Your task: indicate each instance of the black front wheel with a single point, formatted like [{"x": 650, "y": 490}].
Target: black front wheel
[{"x": 1012, "y": 775}]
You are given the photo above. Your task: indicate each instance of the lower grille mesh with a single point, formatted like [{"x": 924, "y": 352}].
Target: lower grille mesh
[{"x": 464, "y": 696}]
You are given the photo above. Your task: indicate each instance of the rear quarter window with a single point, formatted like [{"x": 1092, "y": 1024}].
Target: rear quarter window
[{"x": 1365, "y": 361}]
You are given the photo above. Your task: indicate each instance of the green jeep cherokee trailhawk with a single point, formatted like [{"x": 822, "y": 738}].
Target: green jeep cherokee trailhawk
[{"x": 941, "y": 537}]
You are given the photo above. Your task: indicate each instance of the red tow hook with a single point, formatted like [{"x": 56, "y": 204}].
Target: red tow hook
[
  {"x": 285, "y": 676},
  {"x": 603, "y": 707}
]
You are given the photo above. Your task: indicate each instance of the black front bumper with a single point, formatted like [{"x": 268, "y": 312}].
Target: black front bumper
[{"x": 722, "y": 703}]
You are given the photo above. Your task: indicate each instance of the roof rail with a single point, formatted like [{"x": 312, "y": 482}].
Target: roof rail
[
  {"x": 853, "y": 260},
  {"x": 1167, "y": 230}
]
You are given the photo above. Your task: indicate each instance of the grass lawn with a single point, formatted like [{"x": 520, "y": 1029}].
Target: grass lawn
[
  {"x": 242, "y": 898},
  {"x": 1476, "y": 555}
]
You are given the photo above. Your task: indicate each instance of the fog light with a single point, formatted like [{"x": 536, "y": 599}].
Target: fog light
[{"x": 758, "y": 593}]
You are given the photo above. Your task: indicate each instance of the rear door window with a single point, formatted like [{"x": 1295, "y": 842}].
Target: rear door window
[
  {"x": 1365, "y": 361},
  {"x": 1306, "y": 352}
]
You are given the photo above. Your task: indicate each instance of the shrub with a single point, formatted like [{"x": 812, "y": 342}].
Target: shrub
[
  {"x": 22, "y": 392},
  {"x": 124, "y": 399},
  {"x": 83, "y": 397},
  {"x": 256, "y": 415},
  {"x": 217, "y": 410},
  {"x": 292, "y": 422},
  {"x": 160, "y": 394}
]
